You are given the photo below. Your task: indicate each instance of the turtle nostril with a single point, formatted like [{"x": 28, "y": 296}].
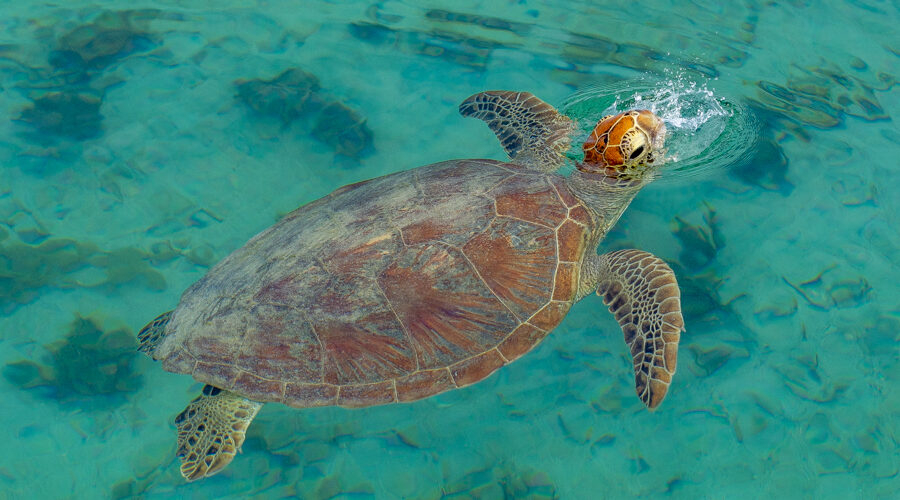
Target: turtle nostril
[{"x": 637, "y": 152}]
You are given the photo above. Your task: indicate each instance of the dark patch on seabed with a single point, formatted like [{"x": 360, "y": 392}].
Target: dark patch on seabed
[
  {"x": 718, "y": 334},
  {"x": 87, "y": 362},
  {"x": 67, "y": 96},
  {"x": 75, "y": 115},
  {"x": 92, "y": 47},
  {"x": 296, "y": 95},
  {"x": 448, "y": 43},
  {"x": 767, "y": 168},
  {"x": 823, "y": 96},
  {"x": 447, "y": 46},
  {"x": 27, "y": 271}
]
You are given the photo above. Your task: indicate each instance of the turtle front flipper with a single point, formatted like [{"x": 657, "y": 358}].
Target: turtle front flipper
[
  {"x": 641, "y": 291},
  {"x": 531, "y": 131},
  {"x": 152, "y": 335},
  {"x": 211, "y": 431}
]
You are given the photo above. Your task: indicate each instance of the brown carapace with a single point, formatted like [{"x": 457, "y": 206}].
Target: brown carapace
[{"x": 623, "y": 142}]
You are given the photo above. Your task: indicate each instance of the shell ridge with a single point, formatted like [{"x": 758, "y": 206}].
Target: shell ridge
[
  {"x": 486, "y": 284},
  {"x": 498, "y": 183},
  {"x": 533, "y": 223},
  {"x": 556, "y": 190},
  {"x": 403, "y": 327},
  {"x": 323, "y": 353}
]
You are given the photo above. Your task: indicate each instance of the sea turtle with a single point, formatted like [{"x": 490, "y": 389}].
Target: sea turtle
[{"x": 404, "y": 286}]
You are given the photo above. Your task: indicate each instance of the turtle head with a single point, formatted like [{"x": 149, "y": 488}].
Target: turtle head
[{"x": 624, "y": 146}]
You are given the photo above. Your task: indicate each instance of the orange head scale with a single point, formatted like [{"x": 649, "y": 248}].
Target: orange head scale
[{"x": 624, "y": 145}]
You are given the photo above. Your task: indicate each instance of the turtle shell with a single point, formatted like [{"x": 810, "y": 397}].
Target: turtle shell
[{"x": 392, "y": 289}]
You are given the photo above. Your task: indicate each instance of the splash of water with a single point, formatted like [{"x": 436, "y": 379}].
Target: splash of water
[{"x": 705, "y": 131}]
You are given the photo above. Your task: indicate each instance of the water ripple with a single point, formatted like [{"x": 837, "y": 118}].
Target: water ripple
[{"x": 706, "y": 131}]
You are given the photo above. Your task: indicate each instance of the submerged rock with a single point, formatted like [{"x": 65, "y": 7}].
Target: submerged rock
[
  {"x": 343, "y": 129},
  {"x": 70, "y": 114},
  {"x": 296, "y": 95},
  {"x": 87, "y": 362},
  {"x": 822, "y": 96},
  {"x": 700, "y": 296},
  {"x": 503, "y": 480},
  {"x": 766, "y": 169},
  {"x": 455, "y": 48},
  {"x": 699, "y": 243},
  {"x": 27, "y": 271},
  {"x": 288, "y": 96},
  {"x": 111, "y": 36},
  {"x": 66, "y": 96},
  {"x": 841, "y": 288}
]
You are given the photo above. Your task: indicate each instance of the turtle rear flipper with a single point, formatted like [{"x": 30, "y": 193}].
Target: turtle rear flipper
[
  {"x": 152, "y": 335},
  {"x": 531, "y": 131},
  {"x": 641, "y": 291},
  {"x": 211, "y": 431}
]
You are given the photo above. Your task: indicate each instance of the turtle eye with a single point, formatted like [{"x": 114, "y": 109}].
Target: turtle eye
[{"x": 637, "y": 152}]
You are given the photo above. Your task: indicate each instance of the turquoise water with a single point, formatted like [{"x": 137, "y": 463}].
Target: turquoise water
[{"x": 139, "y": 146}]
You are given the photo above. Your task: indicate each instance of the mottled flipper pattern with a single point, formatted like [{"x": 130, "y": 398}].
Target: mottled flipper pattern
[
  {"x": 531, "y": 131},
  {"x": 151, "y": 335},
  {"x": 641, "y": 291},
  {"x": 211, "y": 431}
]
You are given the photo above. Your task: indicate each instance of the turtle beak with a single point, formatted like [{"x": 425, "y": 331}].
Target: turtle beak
[{"x": 624, "y": 145}]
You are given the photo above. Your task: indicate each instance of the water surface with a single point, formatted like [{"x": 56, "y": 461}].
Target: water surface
[{"x": 138, "y": 148}]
